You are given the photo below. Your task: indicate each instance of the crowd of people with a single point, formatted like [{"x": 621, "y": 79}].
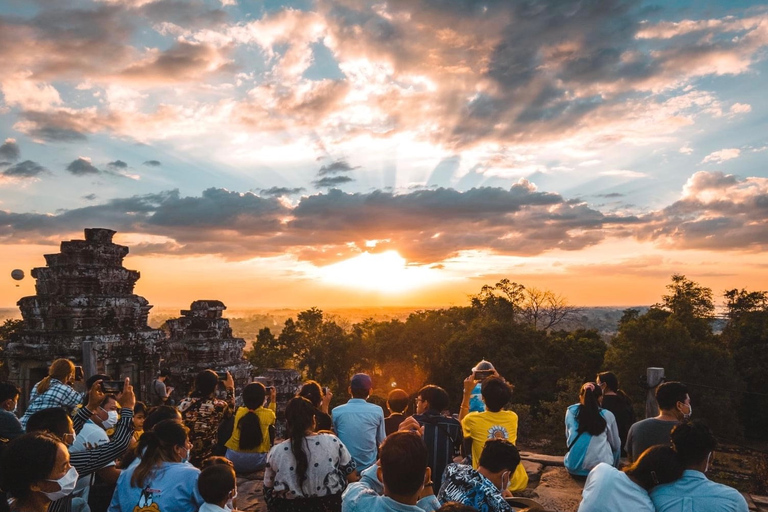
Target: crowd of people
[{"x": 99, "y": 450}]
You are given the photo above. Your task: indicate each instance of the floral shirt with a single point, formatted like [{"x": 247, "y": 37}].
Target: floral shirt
[
  {"x": 463, "y": 484},
  {"x": 202, "y": 418}
]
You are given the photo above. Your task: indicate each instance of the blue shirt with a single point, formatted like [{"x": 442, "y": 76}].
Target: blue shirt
[
  {"x": 360, "y": 426},
  {"x": 694, "y": 492},
  {"x": 587, "y": 451},
  {"x": 366, "y": 496},
  {"x": 172, "y": 487},
  {"x": 607, "y": 489}
]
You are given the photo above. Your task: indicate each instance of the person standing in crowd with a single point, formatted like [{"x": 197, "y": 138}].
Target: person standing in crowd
[
  {"x": 485, "y": 487},
  {"x": 616, "y": 401},
  {"x": 320, "y": 398},
  {"x": 674, "y": 407},
  {"x": 55, "y": 390},
  {"x": 32, "y": 486},
  {"x": 10, "y": 426},
  {"x": 695, "y": 444},
  {"x": 254, "y": 430},
  {"x": 203, "y": 413},
  {"x": 397, "y": 404},
  {"x": 442, "y": 434},
  {"x": 400, "y": 482},
  {"x": 607, "y": 489},
  {"x": 591, "y": 433},
  {"x": 159, "y": 391},
  {"x": 163, "y": 481},
  {"x": 309, "y": 470},
  {"x": 360, "y": 425},
  {"x": 494, "y": 423}
]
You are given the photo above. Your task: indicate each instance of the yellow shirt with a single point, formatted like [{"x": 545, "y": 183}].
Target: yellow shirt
[
  {"x": 482, "y": 426},
  {"x": 266, "y": 418}
]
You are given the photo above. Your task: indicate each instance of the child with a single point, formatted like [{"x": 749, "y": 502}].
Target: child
[
  {"x": 139, "y": 415},
  {"x": 218, "y": 487}
]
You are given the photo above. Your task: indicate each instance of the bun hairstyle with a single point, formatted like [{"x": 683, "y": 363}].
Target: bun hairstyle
[
  {"x": 300, "y": 417},
  {"x": 312, "y": 391},
  {"x": 158, "y": 446},
  {"x": 60, "y": 370},
  {"x": 249, "y": 425},
  {"x": 26, "y": 460},
  {"x": 589, "y": 417}
]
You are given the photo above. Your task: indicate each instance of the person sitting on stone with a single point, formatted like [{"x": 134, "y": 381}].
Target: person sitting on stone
[
  {"x": 55, "y": 390},
  {"x": 359, "y": 424},
  {"x": 442, "y": 434},
  {"x": 203, "y": 413},
  {"x": 485, "y": 487},
  {"x": 217, "y": 484},
  {"x": 10, "y": 427},
  {"x": 399, "y": 482},
  {"x": 674, "y": 407},
  {"x": 320, "y": 398},
  {"x": 590, "y": 433},
  {"x": 397, "y": 404},
  {"x": 159, "y": 391},
  {"x": 616, "y": 401},
  {"x": 254, "y": 430},
  {"x": 494, "y": 423},
  {"x": 695, "y": 444}
]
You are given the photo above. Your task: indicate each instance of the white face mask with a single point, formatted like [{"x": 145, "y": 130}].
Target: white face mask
[
  {"x": 231, "y": 502},
  {"x": 111, "y": 420},
  {"x": 66, "y": 483},
  {"x": 504, "y": 481}
]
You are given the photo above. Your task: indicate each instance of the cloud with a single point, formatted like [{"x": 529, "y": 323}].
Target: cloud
[
  {"x": 611, "y": 195},
  {"x": 624, "y": 173},
  {"x": 90, "y": 197},
  {"x": 281, "y": 191},
  {"x": 25, "y": 169},
  {"x": 740, "y": 108},
  {"x": 118, "y": 164},
  {"x": 10, "y": 150},
  {"x": 182, "y": 62},
  {"x": 721, "y": 156},
  {"x": 335, "y": 167},
  {"x": 686, "y": 149},
  {"x": 82, "y": 167},
  {"x": 152, "y": 163},
  {"x": 332, "y": 181}
]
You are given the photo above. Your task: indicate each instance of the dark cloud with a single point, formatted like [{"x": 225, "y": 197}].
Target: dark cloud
[
  {"x": 188, "y": 13},
  {"x": 332, "y": 181},
  {"x": 118, "y": 164},
  {"x": 336, "y": 167},
  {"x": 25, "y": 169},
  {"x": 183, "y": 61},
  {"x": 10, "y": 150},
  {"x": 90, "y": 197},
  {"x": 152, "y": 163},
  {"x": 82, "y": 167},
  {"x": 57, "y": 126},
  {"x": 611, "y": 195},
  {"x": 281, "y": 191}
]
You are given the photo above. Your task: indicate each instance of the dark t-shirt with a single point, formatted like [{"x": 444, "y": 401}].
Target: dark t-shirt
[
  {"x": 392, "y": 422},
  {"x": 10, "y": 427},
  {"x": 443, "y": 437},
  {"x": 323, "y": 421},
  {"x": 622, "y": 411},
  {"x": 646, "y": 433}
]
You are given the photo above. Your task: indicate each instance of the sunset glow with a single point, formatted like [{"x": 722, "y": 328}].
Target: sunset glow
[{"x": 384, "y": 272}]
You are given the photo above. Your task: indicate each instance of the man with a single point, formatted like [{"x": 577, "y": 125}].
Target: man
[
  {"x": 397, "y": 403},
  {"x": 486, "y": 487},
  {"x": 358, "y": 424},
  {"x": 399, "y": 483},
  {"x": 442, "y": 434},
  {"x": 494, "y": 423},
  {"x": 158, "y": 391},
  {"x": 694, "y": 444},
  {"x": 674, "y": 406},
  {"x": 10, "y": 426}
]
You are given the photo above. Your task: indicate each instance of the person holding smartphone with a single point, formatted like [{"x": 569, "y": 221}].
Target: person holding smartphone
[{"x": 203, "y": 413}]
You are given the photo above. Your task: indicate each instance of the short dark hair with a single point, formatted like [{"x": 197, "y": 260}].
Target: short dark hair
[
  {"x": 397, "y": 400},
  {"x": 8, "y": 390},
  {"x": 403, "y": 458},
  {"x": 669, "y": 393},
  {"x": 693, "y": 442},
  {"x": 658, "y": 464},
  {"x": 165, "y": 372},
  {"x": 499, "y": 455},
  {"x": 205, "y": 383},
  {"x": 54, "y": 420},
  {"x": 140, "y": 408},
  {"x": 216, "y": 482},
  {"x": 160, "y": 413},
  {"x": 360, "y": 393},
  {"x": 26, "y": 460},
  {"x": 436, "y": 396},
  {"x": 610, "y": 380},
  {"x": 496, "y": 393}
]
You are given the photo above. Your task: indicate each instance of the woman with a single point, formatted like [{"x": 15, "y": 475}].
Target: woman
[
  {"x": 607, "y": 489},
  {"x": 203, "y": 413},
  {"x": 591, "y": 433},
  {"x": 312, "y": 391},
  {"x": 163, "y": 480},
  {"x": 254, "y": 430},
  {"x": 35, "y": 470},
  {"x": 55, "y": 390},
  {"x": 616, "y": 401},
  {"x": 308, "y": 471}
]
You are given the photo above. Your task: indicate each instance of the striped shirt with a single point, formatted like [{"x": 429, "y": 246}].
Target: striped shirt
[
  {"x": 443, "y": 438},
  {"x": 58, "y": 394}
]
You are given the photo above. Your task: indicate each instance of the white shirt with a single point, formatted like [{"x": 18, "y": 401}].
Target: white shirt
[
  {"x": 94, "y": 435},
  {"x": 607, "y": 489}
]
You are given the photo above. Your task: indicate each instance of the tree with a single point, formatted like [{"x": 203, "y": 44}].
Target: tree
[
  {"x": 268, "y": 351},
  {"x": 687, "y": 299},
  {"x": 541, "y": 309}
]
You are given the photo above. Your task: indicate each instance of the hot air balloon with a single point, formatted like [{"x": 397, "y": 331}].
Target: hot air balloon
[{"x": 17, "y": 274}]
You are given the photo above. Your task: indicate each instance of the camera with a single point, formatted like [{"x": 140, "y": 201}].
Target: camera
[
  {"x": 112, "y": 386},
  {"x": 483, "y": 374},
  {"x": 325, "y": 390},
  {"x": 222, "y": 375}
]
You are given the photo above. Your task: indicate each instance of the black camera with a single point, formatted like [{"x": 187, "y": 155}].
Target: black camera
[
  {"x": 112, "y": 386},
  {"x": 78, "y": 373},
  {"x": 222, "y": 375}
]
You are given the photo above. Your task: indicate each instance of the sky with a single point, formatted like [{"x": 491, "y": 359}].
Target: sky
[{"x": 388, "y": 153}]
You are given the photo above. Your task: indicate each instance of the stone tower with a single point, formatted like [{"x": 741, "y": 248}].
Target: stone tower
[{"x": 85, "y": 310}]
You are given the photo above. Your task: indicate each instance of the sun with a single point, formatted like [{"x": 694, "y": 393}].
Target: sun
[{"x": 386, "y": 272}]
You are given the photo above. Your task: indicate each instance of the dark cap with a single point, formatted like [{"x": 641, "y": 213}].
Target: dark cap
[{"x": 361, "y": 381}]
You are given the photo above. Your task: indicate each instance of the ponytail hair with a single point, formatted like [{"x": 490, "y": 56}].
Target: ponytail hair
[
  {"x": 158, "y": 446},
  {"x": 299, "y": 415},
  {"x": 588, "y": 416},
  {"x": 60, "y": 370},
  {"x": 249, "y": 425}
]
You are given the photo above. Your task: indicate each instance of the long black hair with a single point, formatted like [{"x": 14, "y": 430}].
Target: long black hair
[
  {"x": 589, "y": 417},
  {"x": 26, "y": 460},
  {"x": 300, "y": 417},
  {"x": 249, "y": 425}
]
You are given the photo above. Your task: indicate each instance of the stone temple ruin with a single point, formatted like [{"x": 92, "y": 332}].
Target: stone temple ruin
[{"x": 85, "y": 310}]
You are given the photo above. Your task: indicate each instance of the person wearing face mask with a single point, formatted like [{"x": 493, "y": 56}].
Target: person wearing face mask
[
  {"x": 163, "y": 481},
  {"x": 218, "y": 487},
  {"x": 694, "y": 444},
  {"x": 35, "y": 470},
  {"x": 674, "y": 407},
  {"x": 486, "y": 487},
  {"x": 10, "y": 426}
]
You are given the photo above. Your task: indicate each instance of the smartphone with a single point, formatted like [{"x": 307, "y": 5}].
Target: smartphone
[
  {"x": 325, "y": 390},
  {"x": 222, "y": 375},
  {"x": 112, "y": 386},
  {"x": 483, "y": 374},
  {"x": 78, "y": 373}
]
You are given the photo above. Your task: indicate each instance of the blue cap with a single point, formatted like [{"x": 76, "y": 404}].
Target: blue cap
[{"x": 361, "y": 381}]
